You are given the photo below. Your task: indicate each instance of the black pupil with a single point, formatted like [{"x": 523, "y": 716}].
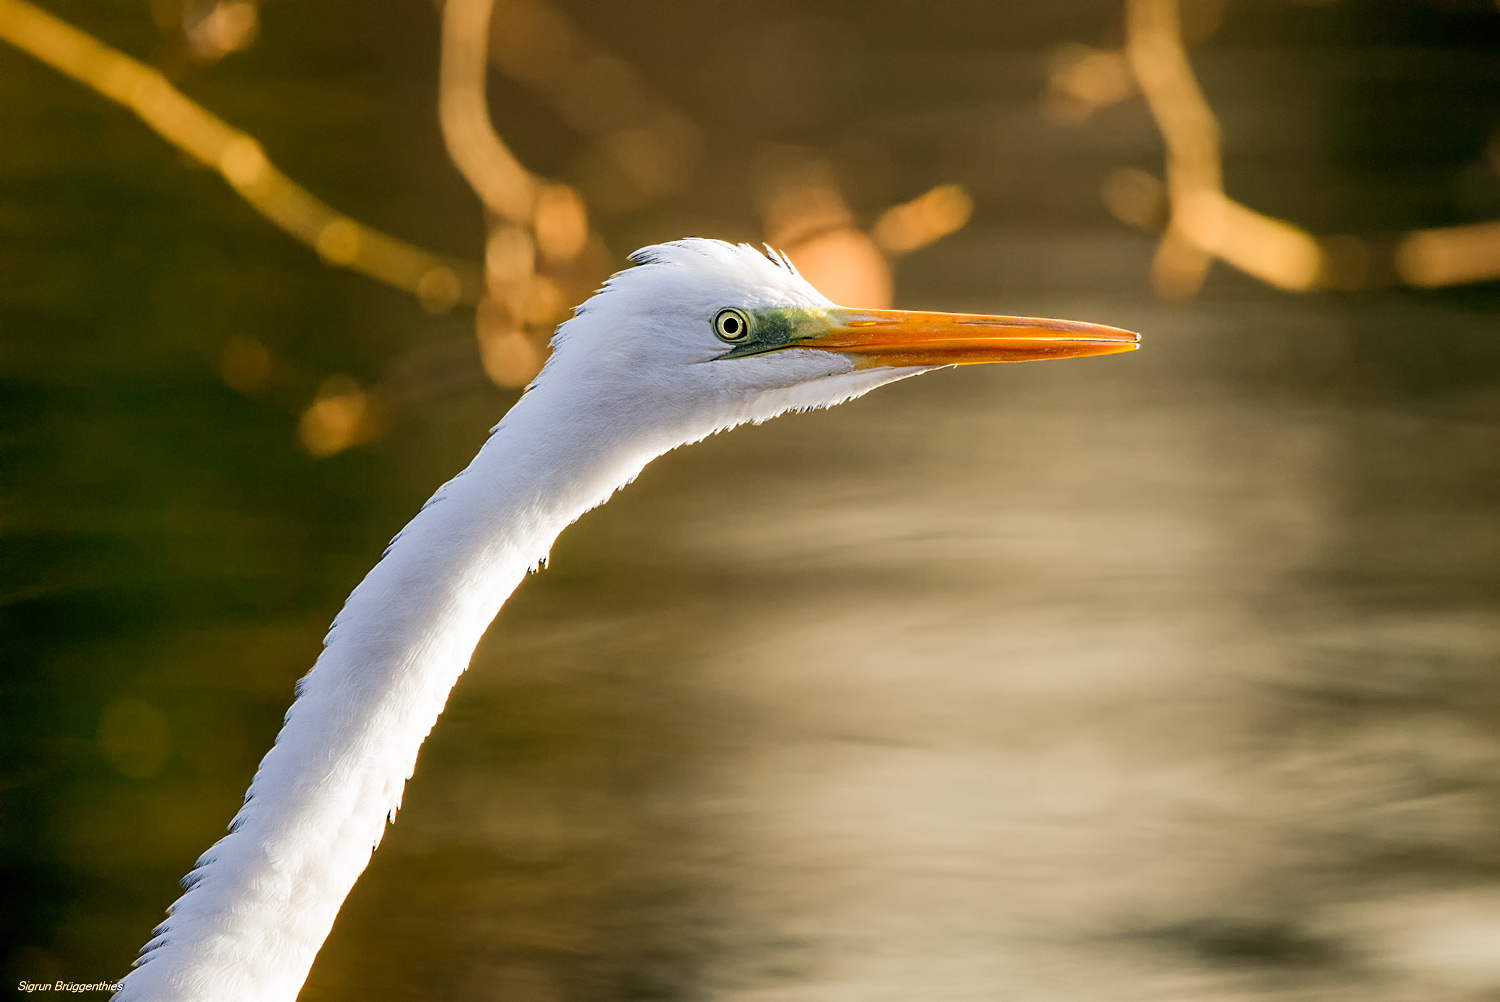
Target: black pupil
[{"x": 731, "y": 325}]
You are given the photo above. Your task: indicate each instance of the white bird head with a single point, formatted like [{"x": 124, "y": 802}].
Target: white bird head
[{"x": 703, "y": 335}]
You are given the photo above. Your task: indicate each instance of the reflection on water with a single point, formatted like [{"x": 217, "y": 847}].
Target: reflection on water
[{"x": 1159, "y": 676}]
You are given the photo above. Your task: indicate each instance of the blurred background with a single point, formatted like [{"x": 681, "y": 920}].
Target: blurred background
[{"x": 1161, "y": 676}]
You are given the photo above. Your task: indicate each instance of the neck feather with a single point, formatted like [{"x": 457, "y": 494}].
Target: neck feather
[{"x": 262, "y": 900}]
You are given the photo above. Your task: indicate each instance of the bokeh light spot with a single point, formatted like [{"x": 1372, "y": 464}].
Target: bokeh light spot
[
  {"x": 562, "y": 223},
  {"x": 245, "y": 365},
  {"x": 338, "y": 242},
  {"x": 438, "y": 289},
  {"x": 337, "y": 419}
]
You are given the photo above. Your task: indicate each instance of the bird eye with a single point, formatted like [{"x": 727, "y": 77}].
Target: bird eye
[{"x": 731, "y": 325}]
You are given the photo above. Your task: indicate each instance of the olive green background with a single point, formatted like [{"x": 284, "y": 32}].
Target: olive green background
[{"x": 1169, "y": 675}]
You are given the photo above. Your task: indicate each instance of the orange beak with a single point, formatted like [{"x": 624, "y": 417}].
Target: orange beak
[{"x": 901, "y": 338}]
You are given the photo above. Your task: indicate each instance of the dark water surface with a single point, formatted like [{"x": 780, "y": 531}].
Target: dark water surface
[{"x": 1161, "y": 676}]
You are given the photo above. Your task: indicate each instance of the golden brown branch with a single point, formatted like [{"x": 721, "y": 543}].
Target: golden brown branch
[
  {"x": 439, "y": 282},
  {"x": 1203, "y": 222},
  {"x": 481, "y": 156}
]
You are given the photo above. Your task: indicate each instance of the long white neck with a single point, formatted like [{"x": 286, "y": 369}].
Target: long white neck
[{"x": 260, "y": 902}]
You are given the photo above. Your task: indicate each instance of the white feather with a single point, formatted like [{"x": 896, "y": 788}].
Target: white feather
[{"x": 634, "y": 374}]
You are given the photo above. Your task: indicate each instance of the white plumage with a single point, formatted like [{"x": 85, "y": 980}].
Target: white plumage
[{"x": 637, "y": 372}]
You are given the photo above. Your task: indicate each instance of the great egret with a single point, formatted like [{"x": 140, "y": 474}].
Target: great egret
[{"x": 699, "y": 337}]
